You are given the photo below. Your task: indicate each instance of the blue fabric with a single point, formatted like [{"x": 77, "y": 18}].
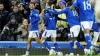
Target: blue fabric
[
  {"x": 95, "y": 27},
  {"x": 72, "y": 17},
  {"x": 56, "y": 47},
  {"x": 71, "y": 47},
  {"x": 85, "y": 10},
  {"x": 79, "y": 45},
  {"x": 88, "y": 41},
  {"x": 34, "y": 19},
  {"x": 47, "y": 45},
  {"x": 50, "y": 20}
]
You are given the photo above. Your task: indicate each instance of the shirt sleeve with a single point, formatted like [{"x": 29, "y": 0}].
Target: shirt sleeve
[
  {"x": 46, "y": 16},
  {"x": 60, "y": 12},
  {"x": 35, "y": 19}
]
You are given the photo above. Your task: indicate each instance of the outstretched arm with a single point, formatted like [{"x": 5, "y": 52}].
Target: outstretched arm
[{"x": 55, "y": 12}]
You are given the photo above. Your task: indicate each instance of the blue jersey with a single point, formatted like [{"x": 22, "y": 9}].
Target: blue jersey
[
  {"x": 85, "y": 10},
  {"x": 50, "y": 20},
  {"x": 34, "y": 19},
  {"x": 72, "y": 17}
]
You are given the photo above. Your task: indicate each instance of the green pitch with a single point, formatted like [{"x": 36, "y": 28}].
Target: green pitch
[{"x": 45, "y": 55}]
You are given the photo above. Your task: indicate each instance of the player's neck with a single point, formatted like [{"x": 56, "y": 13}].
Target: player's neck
[{"x": 47, "y": 6}]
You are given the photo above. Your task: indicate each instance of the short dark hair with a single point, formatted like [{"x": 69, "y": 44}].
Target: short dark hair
[
  {"x": 32, "y": 3},
  {"x": 1, "y": 3},
  {"x": 49, "y": 3}
]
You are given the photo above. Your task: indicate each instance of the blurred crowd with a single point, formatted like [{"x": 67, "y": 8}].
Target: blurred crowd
[{"x": 14, "y": 20}]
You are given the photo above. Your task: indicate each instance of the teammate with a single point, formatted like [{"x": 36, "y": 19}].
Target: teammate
[
  {"x": 96, "y": 33},
  {"x": 74, "y": 24},
  {"x": 86, "y": 19},
  {"x": 50, "y": 24},
  {"x": 33, "y": 29},
  {"x": 95, "y": 26}
]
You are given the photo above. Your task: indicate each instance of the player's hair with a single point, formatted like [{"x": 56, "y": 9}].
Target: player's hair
[
  {"x": 49, "y": 3},
  {"x": 1, "y": 3},
  {"x": 32, "y": 3}
]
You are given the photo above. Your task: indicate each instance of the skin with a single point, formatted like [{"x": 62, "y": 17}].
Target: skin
[
  {"x": 86, "y": 31},
  {"x": 1, "y": 6},
  {"x": 37, "y": 39},
  {"x": 15, "y": 9},
  {"x": 44, "y": 38},
  {"x": 62, "y": 7}
]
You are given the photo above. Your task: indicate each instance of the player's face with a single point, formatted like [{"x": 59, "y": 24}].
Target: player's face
[
  {"x": 1, "y": 7},
  {"x": 62, "y": 6},
  {"x": 32, "y": 6}
]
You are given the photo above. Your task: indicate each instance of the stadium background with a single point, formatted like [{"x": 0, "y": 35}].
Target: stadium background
[{"x": 14, "y": 43}]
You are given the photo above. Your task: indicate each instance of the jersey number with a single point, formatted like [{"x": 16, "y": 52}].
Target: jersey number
[
  {"x": 87, "y": 5},
  {"x": 75, "y": 13}
]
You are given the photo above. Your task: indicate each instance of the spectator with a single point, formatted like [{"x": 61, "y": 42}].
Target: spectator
[
  {"x": 4, "y": 36},
  {"x": 3, "y": 16},
  {"x": 35, "y": 1},
  {"x": 13, "y": 2},
  {"x": 62, "y": 34},
  {"x": 16, "y": 13},
  {"x": 24, "y": 10},
  {"x": 37, "y": 6},
  {"x": 24, "y": 30},
  {"x": 12, "y": 28},
  {"x": 6, "y": 4}
]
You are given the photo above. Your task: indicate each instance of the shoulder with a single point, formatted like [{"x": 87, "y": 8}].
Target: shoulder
[
  {"x": 67, "y": 8},
  {"x": 34, "y": 11}
]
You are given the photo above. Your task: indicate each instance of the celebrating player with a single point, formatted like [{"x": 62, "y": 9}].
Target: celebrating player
[
  {"x": 95, "y": 25},
  {"x": 74, "y": 24},
  {"x": 50, "y": 24},
  {"x": 86, "y": 20},
  {"x": 33, "y": 29}
]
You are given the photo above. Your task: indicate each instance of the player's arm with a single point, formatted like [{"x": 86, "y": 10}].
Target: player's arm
[
  {"x": 74, "y": 5},
  {"x": 57, "y": 13},
  {"x": 34, "y": 19},
  {"x": 46, "y": 17},
  {"x": 60, "y": 12},
  {"x": 37, "y": 20}
]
